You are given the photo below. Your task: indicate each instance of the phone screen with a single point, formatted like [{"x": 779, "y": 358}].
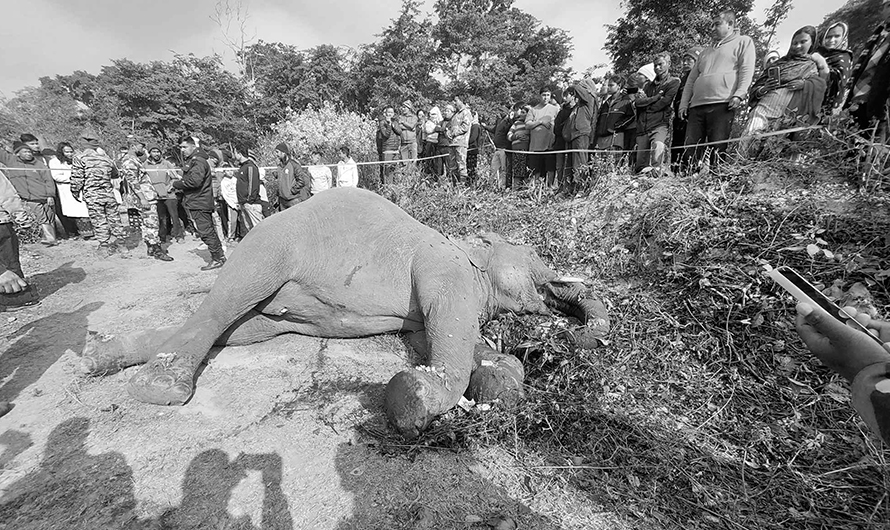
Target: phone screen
[
  {"x": 774, "y": 73},
  {"x": 807, "y": 293}
]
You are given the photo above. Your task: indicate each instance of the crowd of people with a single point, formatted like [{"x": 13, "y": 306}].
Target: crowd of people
[
  {"x": 217, "y": 195},
  {"x": 659, "y": 121},
  {"x": 666, "y": 116}
]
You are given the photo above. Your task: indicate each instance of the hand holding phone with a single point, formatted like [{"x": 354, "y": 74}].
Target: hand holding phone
[{"x": 806, "y": 293}]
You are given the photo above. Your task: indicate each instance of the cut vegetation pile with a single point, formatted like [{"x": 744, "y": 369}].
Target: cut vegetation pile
[{"x": 704, "y": 410}]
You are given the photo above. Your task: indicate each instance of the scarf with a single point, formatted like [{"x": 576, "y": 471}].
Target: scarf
[{"x": 867, "y": 65}]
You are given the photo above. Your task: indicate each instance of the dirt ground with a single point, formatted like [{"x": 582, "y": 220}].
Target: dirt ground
[{"x": 268, "y": 441}]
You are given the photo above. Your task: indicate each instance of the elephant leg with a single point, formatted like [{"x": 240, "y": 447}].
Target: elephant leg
[
  {"x": 415, "y": 397},
  {"x": 254, "y": 272},
  {"x": 496, "y": 376},
  {"x": 107, "y": 354}
]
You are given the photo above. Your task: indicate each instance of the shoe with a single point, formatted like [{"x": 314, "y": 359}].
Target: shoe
[
  {"x": 28, "y": 297},
  {"x": 157, "y": 252},
  {"x": 215, "y": 264}
]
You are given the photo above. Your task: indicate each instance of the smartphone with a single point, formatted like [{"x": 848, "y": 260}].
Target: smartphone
[
  {"x": 774, "y": 73},
  {"x": 806, "y": 293}
]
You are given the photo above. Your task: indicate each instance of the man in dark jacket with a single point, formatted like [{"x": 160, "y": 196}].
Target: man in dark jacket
[
  {"x": 389, "y": 137},
  {"x": 31, "y": 178},
  {"x": 197, "y": 188},
  {"x": 679, "y": 136},
  {"x": 576, "y": 133},
  {"x": 293, "y": 180},
  {"x": 247, "y": 188},
  {"x": 654, "y": 109}
]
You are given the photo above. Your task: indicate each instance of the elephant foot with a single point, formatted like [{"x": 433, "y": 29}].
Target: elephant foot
[
  {"x": 102, "y": 354},
  {"x": 497, "y": 377},
  {"x": 411, "y": 401},
  {"x": 166, "y": 380}
]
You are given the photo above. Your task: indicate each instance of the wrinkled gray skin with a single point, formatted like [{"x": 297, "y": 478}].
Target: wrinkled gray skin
[{"x": 348, "y": 263}]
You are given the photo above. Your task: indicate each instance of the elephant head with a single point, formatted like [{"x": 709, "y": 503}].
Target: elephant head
[{"x": 515, "y": 279}]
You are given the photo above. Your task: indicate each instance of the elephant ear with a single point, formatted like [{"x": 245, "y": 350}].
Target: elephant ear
[{"x": 480, "y": 249}]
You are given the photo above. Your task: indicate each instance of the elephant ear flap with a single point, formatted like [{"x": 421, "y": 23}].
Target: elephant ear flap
[{"x": 480, "y": 250}]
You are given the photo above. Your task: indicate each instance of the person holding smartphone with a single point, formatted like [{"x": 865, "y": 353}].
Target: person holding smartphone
[
  {"x": 792, "y": 84},
  {"x": 854, "y": 355}
]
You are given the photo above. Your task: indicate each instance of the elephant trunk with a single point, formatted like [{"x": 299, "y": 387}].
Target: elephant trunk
[{"x": 574, "y": 299}]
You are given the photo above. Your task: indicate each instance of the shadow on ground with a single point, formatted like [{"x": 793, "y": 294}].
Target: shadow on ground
[
  {"x": 72, "y": 489},
  {"x": 47, "y": 283},
  {"x": 37, "y": 345}
]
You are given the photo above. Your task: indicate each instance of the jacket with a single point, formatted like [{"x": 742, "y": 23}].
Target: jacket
[
  {"x": 654, "y": 107},
  {"x": 722, "y": 72},
  {"x": 408, "y": 124},
  {"x": 248, "y": 179},
  {"x": 580, "y": 117},
  {"x": 474, "y": 143},
  {"x": 293, "y": 181},
  {"x": 500, "y": 130},
  {"x": 92, "y": 173},
  {"x": 32, "y": 180},
  {"x": 196, "y": 183},
  {"x": 161, "y": 174},
  {"x": 389, "y": 135},
  {"x": 459, "y": 125},
  {"x": 615, "y": 114},
  {"x": 10, "y": 206},
  {"x": 541, "y": 135}
]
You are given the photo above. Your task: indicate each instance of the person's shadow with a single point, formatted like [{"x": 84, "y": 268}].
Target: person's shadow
[
  {"x": 207, "y": 488},
  {"x": 70, "y": 488},
  {"x": 38, "y": 345},
  {"x": 47, "y": 283}
]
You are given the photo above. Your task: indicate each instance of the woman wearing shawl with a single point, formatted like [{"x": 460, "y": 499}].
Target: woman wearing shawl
[
  {"x": 834, "y": 49},
  {"x": 870, "y": 79},
  {"x": 799, "y": 90}
]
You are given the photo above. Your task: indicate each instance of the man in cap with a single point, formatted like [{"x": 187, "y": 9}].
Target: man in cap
[
  {"x": 142, "y": 196},
  {"x": 162, "y": 173},
  {"x": 197, "y": 187},
  {"x": 32, "y": 180},
  {"x": 679, "y": 132},
  {"x": 293, "y": 181},
  {"x": 408, "y": 123},
  {"x": 92, "y": 172}
]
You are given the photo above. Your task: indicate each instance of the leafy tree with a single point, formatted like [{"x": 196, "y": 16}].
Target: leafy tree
[
  {"x": 652, "y": 26},
  {"x": 776, "y": 13},
  {"x": 189, "y": 95},
  {"x": 51, "y": 115},
  {"x": 495, "y": 53},
  {"x": 287, "y": 78},
  {"x": 399, "y": 66}
]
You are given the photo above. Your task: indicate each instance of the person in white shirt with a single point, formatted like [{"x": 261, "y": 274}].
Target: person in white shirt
[
  {"x": 347, "y": 170},
  {"x": 321, "y": 175}
]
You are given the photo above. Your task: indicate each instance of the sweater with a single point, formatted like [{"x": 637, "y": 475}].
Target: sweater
[
  {"x": 161, "y": 174},
  {"x": 389, "y": 135},
  {"x": 722, "y": 72},
  {"x": 541, "y": 135}
]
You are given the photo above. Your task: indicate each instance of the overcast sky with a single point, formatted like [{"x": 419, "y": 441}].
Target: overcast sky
[{"x": 60, "y": 36}]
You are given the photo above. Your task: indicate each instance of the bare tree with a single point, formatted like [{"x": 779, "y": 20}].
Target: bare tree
[{"x": 232, "y": 17}]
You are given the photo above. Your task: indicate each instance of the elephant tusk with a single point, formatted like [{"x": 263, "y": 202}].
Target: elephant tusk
[{"x": 569, "y": 279}]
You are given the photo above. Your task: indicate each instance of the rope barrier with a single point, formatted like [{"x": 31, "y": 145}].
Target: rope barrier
[{"x": 514, "y": 151}]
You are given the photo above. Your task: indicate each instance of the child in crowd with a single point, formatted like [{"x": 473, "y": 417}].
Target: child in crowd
[{"x": 347, "y": 169}]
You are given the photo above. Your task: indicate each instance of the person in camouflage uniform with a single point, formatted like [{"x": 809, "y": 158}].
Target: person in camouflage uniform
[
  {"x": 91, "y": 174},
  {"x": 140, "y": 194}
]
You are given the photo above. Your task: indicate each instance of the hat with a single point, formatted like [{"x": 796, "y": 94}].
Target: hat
[
  {"x": 283, "y": 148},
  {"x": 648, "y": 70},
  {"x": 693, "y": 52},
  {"x": 90, "y": 138},
  {"x": 18, "y": 145},
  {"x": 408, "y": 104}
]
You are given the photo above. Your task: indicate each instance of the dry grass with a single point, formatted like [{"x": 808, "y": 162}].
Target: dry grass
[{"x": 705, "y": 410}]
